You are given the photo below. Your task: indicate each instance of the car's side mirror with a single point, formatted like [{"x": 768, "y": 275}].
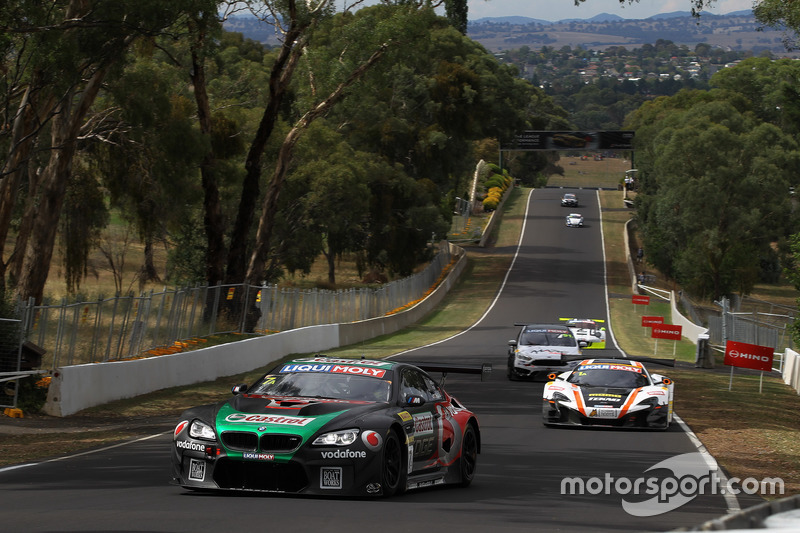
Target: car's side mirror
[
  {"x": 512, "y": 342},
  {"x": 238, "y": 389}
]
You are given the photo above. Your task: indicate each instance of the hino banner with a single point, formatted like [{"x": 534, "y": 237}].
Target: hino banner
[{"x": 751, "y": 356}]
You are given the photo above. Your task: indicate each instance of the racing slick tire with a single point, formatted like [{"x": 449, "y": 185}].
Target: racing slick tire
[
  {"x": 469, "y": 456},
  {"x": 393, "y": 469}
]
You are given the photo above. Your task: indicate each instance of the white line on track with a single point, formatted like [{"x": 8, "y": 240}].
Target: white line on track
[
  {"x": 90, "y": 452},
  {"x": 499, "y": 291},
  {"x": 730, "y": 499}
]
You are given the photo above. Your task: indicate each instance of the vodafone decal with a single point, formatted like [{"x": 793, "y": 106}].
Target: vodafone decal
[
  {"x": 746, "y": 355},
  {"x": 640, "y": 300}
]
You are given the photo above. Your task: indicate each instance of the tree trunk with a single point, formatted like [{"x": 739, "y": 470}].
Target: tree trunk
[
  {"x": 331, "y": 258},
  {"x": 23, "y": 138},
  {"x": 279, "y": 79},
  {"x": 258, "y": 259},
  {"x": 66, "y": 125},
  {"x": 212, "y": 210}
]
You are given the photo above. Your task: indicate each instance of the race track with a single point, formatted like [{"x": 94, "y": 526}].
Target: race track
[{"x": 557, "y": 272}]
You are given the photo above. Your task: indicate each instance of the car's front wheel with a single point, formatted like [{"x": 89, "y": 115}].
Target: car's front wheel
[{"x": 393, "y": 470}]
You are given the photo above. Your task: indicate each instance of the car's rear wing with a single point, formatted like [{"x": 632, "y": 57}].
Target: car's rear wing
[
  {"x": 484, "y": 369},
  {"x": 639, "y": 359}
]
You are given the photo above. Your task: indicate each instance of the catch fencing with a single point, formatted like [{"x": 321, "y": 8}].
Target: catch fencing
[
  {"x": 752, "y": 321},
  {"x": 155, "y": 323}
]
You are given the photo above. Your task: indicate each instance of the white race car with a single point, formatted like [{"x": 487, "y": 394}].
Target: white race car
[
  {"x": 541, "y": 349},
  {"x": 608, "y": 392},
  {"x": 588, "y": 332},
  {"x": 569, "y": 200},
  {"x": 575, "y": 220}
]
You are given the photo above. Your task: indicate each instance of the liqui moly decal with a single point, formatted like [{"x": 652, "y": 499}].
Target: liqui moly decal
[
  {"x": 244, "y": 418},
  {"x": 334, "y": 369}
]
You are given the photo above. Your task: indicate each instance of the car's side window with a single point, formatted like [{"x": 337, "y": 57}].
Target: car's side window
[
  {"x": 434, "y": 394},
  {"x": 413, "y": 384}
]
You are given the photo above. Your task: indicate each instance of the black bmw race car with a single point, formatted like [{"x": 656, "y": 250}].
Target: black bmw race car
[{"x": 325, "y": 426}]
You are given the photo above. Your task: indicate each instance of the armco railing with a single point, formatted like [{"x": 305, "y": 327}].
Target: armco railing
[{"x": 124, "y": 327}]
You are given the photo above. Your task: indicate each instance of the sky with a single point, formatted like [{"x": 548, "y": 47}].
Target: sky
[{"x": 553, "y": 10}]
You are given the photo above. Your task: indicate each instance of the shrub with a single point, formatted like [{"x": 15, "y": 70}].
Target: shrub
[
  {"x": 32, "y": 393},
  {"x": 490, "y": 203}
]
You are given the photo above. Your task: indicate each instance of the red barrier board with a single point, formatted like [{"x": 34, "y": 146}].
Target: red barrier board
[
  {"x": 666, "y": 331},
  {"x": 648, "y": 321},
  {"x": 640, "y": 300},
  {"x": 746, "y": 355}
]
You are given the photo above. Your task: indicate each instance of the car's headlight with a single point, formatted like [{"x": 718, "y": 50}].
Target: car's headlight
[
  {"x": 343, "y": 437},
  {"x": 651, "y": 402},
  {"x": 559, "y": 397},
  {"x": 524, "y": 358},
  {"x": 201, "y": 430}
]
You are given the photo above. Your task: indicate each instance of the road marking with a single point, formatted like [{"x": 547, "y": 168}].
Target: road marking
[{"x": 90, "y": 452}]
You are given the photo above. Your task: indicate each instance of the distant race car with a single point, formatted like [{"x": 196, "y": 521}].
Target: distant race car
[
  {"x": 540, "y": 349},
  {"x": 574, "y": 220},
  {"x": 608, "y": 392},
  {"x": 569, "y": 200},
  {"x": 334, "y": 427},
  {"x": 588, "y": 332}
]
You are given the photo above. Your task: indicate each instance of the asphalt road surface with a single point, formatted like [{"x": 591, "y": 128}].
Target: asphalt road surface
[{"x": 557, "y": 272}]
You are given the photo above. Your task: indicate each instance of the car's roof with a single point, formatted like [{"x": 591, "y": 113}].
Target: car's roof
[
  {"x": 569, "y": 194},
  {"x": 575, "y": 215}
]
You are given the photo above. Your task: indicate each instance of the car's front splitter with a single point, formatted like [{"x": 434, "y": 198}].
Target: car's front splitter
[
  {"x": 354, "y": 471},
  {"x": 554, "y": 413}
]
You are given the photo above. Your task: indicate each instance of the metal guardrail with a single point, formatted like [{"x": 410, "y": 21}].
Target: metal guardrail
[{"x": 125, "y": 327}]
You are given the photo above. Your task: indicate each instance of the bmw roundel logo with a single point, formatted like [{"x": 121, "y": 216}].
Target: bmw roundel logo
[{"x": 372, "y": 440}]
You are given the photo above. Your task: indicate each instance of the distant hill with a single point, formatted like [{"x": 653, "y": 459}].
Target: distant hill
[{"x": 736, "y": 31}]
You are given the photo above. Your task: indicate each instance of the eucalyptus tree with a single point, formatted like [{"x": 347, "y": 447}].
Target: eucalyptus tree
[
  {"x": 61, "y": 55},
  {"x": 357, "y": 44},
  {"x": 714, "y": 189}
]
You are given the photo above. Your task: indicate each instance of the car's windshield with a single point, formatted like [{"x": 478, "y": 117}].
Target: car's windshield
[
  {"x": 582, "y": 325},
  {"x": 324, "y": 385},
  {"x": 547, "y": 337},
  {"x": 608, "y": 376}
]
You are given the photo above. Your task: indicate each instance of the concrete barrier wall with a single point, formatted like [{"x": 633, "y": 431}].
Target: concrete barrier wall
[
  {"x": 74, "y": 388},
  {"x": 355, "y": 332},
  {"x": 690, "y": 330},
  {"x": 78, "y": 387},
  {"x": 791, "y": 369}
]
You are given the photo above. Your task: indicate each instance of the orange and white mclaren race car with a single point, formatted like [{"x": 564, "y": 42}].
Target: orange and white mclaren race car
[{"x": 608, "y": 392}]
